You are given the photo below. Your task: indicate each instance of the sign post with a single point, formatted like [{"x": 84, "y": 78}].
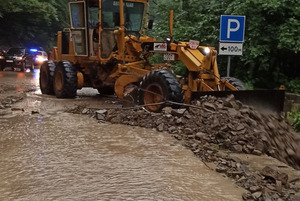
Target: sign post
[{"x": 232, "y": 31}]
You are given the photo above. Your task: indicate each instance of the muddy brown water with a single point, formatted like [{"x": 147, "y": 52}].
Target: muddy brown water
[{"x": 54, "y": 155}]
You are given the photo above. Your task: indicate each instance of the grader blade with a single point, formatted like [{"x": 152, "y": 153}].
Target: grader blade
[{"x": 266, "y": 101}]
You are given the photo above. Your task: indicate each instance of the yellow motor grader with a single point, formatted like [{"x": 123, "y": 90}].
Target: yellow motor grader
[{"x": 106, "y": 48}]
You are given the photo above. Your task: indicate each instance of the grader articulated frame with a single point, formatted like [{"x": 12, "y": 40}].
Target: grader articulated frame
[{"x": 106, "y": 48}]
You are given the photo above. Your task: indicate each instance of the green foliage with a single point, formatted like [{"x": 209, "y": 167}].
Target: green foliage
[
  {"x": 294, "y": 86},
  {"x": 32, "y": 22},
  {"x": 295, "y": 115},
  {"x": 272, "y": 40},
  {"x": 179, "y": 68}
]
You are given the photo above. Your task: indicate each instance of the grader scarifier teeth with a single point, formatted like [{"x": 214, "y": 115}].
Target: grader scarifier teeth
[{"x": 266, "y": 101}]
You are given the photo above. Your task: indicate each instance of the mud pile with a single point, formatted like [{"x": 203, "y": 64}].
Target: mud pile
[
  {"x": 212, "y": 124},
  {"x": 225, "y": 123}
]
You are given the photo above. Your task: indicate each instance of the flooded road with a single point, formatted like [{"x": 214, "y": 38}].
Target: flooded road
[{"x": 54, "y": 155}]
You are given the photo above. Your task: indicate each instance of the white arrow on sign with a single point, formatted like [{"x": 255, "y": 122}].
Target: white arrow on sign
[{"x": 231, "y": 49}]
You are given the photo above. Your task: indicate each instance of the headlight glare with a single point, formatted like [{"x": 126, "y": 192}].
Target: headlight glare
[{"x": 206, "y": 50}]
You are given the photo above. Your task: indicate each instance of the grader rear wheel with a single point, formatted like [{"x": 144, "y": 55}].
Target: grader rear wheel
[
  {"x": 65, "y": 80},
  {"x": 158, "y": 87},
  {"x": 46, "y": 77}
]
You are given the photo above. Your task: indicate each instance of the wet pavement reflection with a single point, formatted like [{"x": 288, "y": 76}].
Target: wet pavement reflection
[{"x": 54, "y": 155}]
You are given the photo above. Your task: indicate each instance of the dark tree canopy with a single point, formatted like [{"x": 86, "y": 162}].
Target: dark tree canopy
[{"x": 32, "y": 22}]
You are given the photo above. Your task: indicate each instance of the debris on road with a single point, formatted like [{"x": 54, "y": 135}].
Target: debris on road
[{"x": 212, "y": 124}]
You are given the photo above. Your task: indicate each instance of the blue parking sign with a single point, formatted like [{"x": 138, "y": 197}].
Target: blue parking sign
[{"x": 232, "y": 28}]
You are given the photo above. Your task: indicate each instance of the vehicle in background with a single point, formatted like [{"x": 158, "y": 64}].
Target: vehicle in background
[
  {"x": 2, "y": 52},
  {"x": 39, "y": 58},
  {"x": 17, "y": 58}
]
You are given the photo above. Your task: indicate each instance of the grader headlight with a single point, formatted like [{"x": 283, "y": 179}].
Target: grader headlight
[{"x": 206, "y": 51}]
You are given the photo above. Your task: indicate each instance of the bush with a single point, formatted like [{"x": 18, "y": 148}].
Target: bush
[
  {"x": 295, "y": 115},
  {"x": 294, "y": 86}
]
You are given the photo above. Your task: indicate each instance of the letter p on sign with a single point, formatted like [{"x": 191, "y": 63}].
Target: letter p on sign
[{"x": 232, "y": 28}]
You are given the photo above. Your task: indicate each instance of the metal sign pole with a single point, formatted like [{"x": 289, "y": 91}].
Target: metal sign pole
[{"x": 228, "y": 66}]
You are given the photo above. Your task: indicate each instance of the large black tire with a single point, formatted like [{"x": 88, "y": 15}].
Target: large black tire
[
  {"x": 106, "y": 90},
  {"x": 159, "y": 86},
  {"x": 65, "y": 80},
  {"x": 236, "y": 83},
  {"x": 46, "y": 77}
]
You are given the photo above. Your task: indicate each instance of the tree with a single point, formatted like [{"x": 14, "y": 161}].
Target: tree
[
  {"x": 31, "y": 23},
  {"x": 272, "y": 41}
]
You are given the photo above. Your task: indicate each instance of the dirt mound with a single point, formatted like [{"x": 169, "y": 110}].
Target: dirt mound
[
  {"x": 212, "y": 124},
  {"x": 226, "y": 123}
]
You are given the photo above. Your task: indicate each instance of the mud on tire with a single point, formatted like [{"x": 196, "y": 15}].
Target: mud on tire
[
  {"x": 46, "y": 77},
  {"x": 236, "y": 83},
  {"x": 65, "y": 80},
  {"x": 159, "y": 86}
]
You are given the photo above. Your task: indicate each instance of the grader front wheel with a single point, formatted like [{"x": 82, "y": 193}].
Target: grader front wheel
[
  {"x": 236, "y": 83},
  {"x": 157, "y": 88}
]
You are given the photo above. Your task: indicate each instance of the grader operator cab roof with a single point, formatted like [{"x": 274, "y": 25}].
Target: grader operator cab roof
[{"x": 90, "y": 24}]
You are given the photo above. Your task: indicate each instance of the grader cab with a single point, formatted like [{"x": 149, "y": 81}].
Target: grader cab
[{"x": 106, "y": 48}]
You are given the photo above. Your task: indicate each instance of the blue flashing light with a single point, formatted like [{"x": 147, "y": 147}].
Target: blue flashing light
[{"x": 33, "y": 50}]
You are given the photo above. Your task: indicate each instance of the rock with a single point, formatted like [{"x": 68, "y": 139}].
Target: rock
[
  {"x": 178, "y": 112},
  {"x": 246, "y": 195},
  {"x": 160, "y": 127},
  {"x": 180, "y": 121},
  {"x": 278, "y": 186},
  {"x": 283, "y": 177},
  {"x": 209, "y": 106},
  {"x": 116, "y": 120},
  {"x": 188, "y": 131},
  {"x": 240, "y": 127},
  {"x": 221, "y": 169},
  {"x": 232, "y": 112},
  {"x": 187, "y": 115},
  {"x": 85, "y": 111},
  {"x": 172, "y": 129},
  {"x": 101, "y": 114},
  {"x": 235, "y": 173},
  {"x": 256, "y": 195},
  {"x": 254, "y": 189},
  {"x": 256, "y": 152},
  {"x": 290, "y": 152},
  {"x": 269, "y": 172},
  {"x": 237, "y": 148},
  {"x": 35, "y": 112},
  {"x": 294, "y": 198},
  {"x": 167, "y": 110},
  {"x": 100, "y": 117}
]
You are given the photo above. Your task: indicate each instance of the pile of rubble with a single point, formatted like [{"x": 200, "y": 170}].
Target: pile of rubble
[
  {"x": 211, "y": 124},
  {"x": 226, "y": 123}
]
